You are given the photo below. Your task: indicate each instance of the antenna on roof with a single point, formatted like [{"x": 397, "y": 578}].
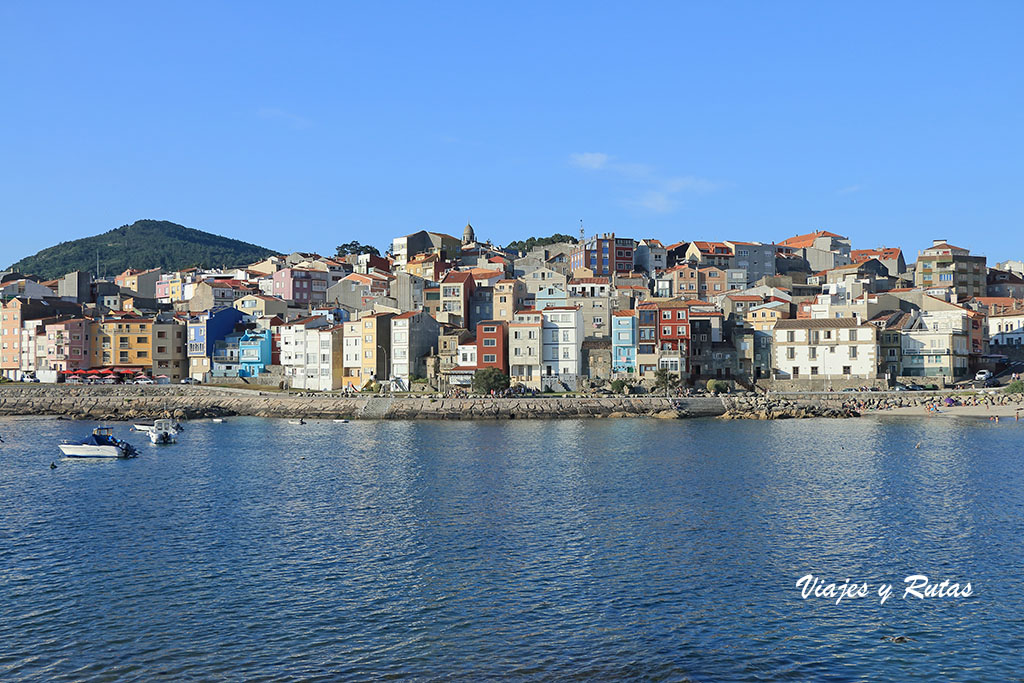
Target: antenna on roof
[{"x": 581, "y": 231}]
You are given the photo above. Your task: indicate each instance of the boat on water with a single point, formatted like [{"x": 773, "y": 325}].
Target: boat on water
[
  {"x": 101, "y": 444},
  {"x": 146, "y": 426},
  {"x": 300, "y": 421},
  {"x": 163, "y": 432},
  {"x": 218, "y": 420}
]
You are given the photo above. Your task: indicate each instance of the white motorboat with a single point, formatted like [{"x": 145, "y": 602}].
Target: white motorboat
[
  {"x": 217, "y": 420},
  {"x": 163, "y": 432},
  {"x": 342, "y": 421},
  {"x": 300, "y": 421},
  {"x": 101, "y": 444}
]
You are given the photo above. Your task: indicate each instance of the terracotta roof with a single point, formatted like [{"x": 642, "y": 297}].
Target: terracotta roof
[
  {"x": 589, "y": 281},
  {"x": 859, "y": 255},
  {"x": 457, "y": 276},
  {"x": 804, "y": 241},
  {"x": 627, "y": 312}
]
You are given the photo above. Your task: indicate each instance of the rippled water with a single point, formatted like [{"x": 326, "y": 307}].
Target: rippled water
[{"x": 602, "y": 549}]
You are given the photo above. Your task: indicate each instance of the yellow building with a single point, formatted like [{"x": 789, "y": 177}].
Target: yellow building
[
  {"x": 763, "y": 317},
  {"x": 261, "y": 305},
  {"x": 123, "y": 341},
  {"x": 375, "y": 331}
]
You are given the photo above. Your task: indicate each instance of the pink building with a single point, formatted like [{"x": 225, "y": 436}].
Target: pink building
[
  {"x": 301, "y": 286},
  {"x": 67, "y": 344}
]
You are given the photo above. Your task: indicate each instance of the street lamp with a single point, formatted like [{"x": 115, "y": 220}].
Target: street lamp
[{"x": 387, "y": 368}]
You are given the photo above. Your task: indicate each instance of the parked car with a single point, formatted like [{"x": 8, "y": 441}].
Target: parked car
[
  {"x": 190, "y": 380},
  {"x": 144, "y": 380},
  {"x": 991, "y": 382},
  {"x": 915, "y": 387},
  {"x": 983, "y": 375},
  {"x": 901, "y": 387},
  {"x": 108, "y": 380}
]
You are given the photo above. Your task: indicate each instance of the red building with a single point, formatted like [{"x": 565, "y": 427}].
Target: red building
[
  {"x": 604, "y": 254},
  {"x": 492, "y": 345}
]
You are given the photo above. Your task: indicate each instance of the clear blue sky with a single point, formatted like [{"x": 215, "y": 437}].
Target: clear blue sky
[{"x": 301, "y": 125}]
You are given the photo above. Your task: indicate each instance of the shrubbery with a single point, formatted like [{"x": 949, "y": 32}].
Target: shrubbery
[
  {"x": 488, "y": 379},
  {"x": 1015, "y": 387}
]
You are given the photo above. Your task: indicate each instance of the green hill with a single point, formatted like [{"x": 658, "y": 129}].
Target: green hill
[{"x": 143, "y": 244}]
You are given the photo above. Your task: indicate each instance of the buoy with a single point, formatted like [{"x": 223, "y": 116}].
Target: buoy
[{"x": 53, "y": 465}]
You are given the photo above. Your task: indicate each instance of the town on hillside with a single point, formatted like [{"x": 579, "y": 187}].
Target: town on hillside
[{"x": 440, "y": 313}]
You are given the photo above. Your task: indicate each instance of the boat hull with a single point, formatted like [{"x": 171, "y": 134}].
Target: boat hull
[{"x": 85, "y": 451}]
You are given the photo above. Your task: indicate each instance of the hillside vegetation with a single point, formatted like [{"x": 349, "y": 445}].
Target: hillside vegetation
[{"x": 143, "y": 244}]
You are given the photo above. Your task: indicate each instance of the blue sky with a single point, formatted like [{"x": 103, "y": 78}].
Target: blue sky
[{"x": 302, "y": 126}]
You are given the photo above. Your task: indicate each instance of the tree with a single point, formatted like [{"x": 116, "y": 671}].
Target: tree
[
  {"x": 665, "y": 380},
  {"x": 717, "y": 386},
  {"x": 489, "y": 379},
  {"x": 354, "y": 247},
  {"x": 530, "y": 243},
  {"x": 620, "y": 386}
]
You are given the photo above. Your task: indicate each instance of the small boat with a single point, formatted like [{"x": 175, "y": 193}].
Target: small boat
[
  {"x": 163, "y": 432},
  {"x": 101, "y": 444},
  {"x": 344, "y": 422},
  {"x": 145, "y": 427},
  {"x": 300, "y": 421},
  {"x": 218, "y": 420}
]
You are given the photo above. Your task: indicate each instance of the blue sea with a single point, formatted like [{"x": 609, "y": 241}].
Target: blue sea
[{"x": 526, "y": 550}]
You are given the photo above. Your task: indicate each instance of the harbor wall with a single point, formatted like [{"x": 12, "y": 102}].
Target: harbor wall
[{"x": 186, "y": 402}]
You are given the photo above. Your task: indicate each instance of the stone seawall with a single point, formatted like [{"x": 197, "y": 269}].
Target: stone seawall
[{"x": 185, "y": 402}]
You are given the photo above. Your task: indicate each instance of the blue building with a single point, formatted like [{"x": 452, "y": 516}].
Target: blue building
[
  {"x": 205, "y": 329},
  {"x": 553, "y": 295},
  {"x": 225, "y": 356},
  {"x": 254, "y": 352},
  {"x": 623, "y": 342}
]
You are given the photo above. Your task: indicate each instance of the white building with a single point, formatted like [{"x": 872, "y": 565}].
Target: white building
[
  {"x": 1006, "y": 329},
  {"x": 937, "y": 345},
  {"x": 352, "y": 354},
  {"x": 829, "y": 348},
  {"x": 413, "y": 335},
  {"x": 301, "y": 356},
  {"x": 561, "y": 340},
  {"x": 525, "y": 349},
  {"x": 650, "y": 256}
]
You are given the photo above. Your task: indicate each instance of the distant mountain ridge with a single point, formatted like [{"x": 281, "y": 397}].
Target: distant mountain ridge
[{"x": 144, "y": 244}]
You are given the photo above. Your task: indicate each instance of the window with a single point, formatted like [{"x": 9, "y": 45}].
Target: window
[
  {"x": 790, "y": 336},
  {"x": 853, "y": 352},
  {"x": 565, "y": 354},
  {"x": 853, "y": 335},
  {"x": 666, "y": 331},
  {"x": 814, "y": 370},
  {"x": 681, "y": 330},
  {"x": 490, "y": 342},
  {"x": 490, "y": 358},
  {"x": 790, "y": 353}
]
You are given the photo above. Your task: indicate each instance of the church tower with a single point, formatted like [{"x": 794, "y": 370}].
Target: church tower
[{"x": 468, "y": 236}]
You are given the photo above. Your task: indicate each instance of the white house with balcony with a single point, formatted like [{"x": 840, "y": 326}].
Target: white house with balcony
[
  {"x": 827, "y": 348},
  {"x": 562, "y": 337}
]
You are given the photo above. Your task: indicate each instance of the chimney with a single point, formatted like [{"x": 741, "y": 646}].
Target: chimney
[{"x": 936, "y": 243}]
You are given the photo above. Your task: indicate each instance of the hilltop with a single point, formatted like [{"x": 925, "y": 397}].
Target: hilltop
[{"x": 144, "y": 244}]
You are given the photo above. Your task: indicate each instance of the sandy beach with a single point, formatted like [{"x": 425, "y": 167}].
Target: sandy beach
[{"x": 1003, "y": 412}]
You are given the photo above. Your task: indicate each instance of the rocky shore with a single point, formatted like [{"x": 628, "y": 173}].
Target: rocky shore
[
  {"x": 146, "y": 403},
  {"x": 189, "y": 403}
]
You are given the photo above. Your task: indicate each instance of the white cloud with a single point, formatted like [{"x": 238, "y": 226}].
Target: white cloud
[
  {"x": 659, "y": 193},
  {"x": 293, "y": 120},
  {"x": 590, "y": 160},
  {"x": 653, "y": 200}
]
